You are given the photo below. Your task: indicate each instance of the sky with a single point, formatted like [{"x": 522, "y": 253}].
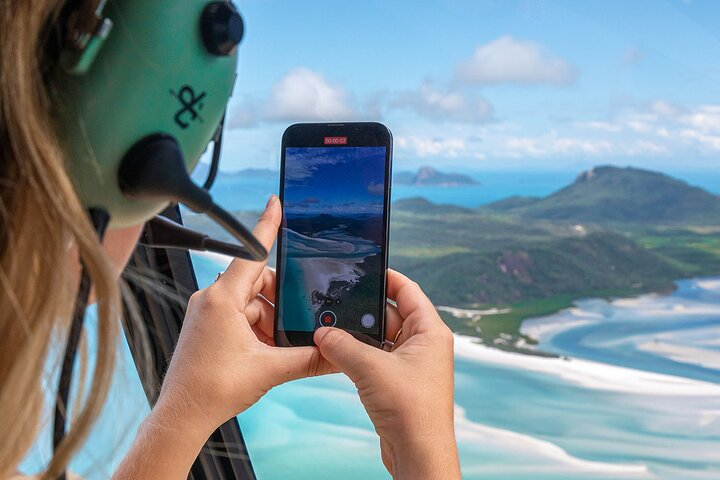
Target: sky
[
  {"x": 486, "y": 84},
  {"x": 335, "y": 180}
]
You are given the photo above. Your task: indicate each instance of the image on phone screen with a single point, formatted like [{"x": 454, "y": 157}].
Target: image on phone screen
[{"x": 331, "y": 256}]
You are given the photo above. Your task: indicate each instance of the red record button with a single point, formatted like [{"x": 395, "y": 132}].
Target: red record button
[{"x": 327, "y": 318}]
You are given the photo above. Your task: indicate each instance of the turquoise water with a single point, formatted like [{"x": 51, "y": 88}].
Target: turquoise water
[
  {"x": 650, "y": 332},
  {"x": 525, "y": 417},
  {"x": 638, "y": 396},
  {"x": 605, "y": 413}
]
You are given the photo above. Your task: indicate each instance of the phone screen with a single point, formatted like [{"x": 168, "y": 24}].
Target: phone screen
[{"x": 331, "y": 256}]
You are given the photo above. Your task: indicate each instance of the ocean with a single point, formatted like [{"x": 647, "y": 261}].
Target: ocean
[
  {"x": 240, "y": 192},
  {"x": 633, "y": 393}
]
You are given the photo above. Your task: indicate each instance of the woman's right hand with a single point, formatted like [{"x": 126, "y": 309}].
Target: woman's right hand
[{"x": 408, "y": 392}]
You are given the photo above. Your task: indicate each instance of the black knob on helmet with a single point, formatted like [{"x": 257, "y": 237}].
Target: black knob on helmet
[{"x": 221, "y": 27}]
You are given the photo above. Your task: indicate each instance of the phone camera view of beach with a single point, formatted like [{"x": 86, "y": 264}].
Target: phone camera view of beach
[{"x": 331, "y": 238}]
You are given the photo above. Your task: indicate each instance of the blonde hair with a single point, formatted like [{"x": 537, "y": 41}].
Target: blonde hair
[{"x": 44, "y": 234}]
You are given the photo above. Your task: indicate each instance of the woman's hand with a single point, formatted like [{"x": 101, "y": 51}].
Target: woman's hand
[
  {"x": 408, "y": 392},
  {"x": 225, "y": 360}
]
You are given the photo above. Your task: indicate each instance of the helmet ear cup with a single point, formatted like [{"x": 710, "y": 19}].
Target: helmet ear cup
[
  {"x": 221, "y": 27},
  {"x": 153, "y": 75}
]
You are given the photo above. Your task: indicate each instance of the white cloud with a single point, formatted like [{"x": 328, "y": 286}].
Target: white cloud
[
  {"x": 300, "y": 95},
  {"x": 644, "y": 148},
  {"x": 428, "y": 146},
  {"x": 306, "y": 95},
  {"x": 671, "y": 127},
  {"x": 705, "y": 118},
  {"x": 707, "y": 141},
  {"x": 509, "y": 60},
  {"x": 600, "y": 125},
  {"x": 662, "y": 108},
  {"x": 552, "y": 144},
  {"x": 436, "y": 104}
]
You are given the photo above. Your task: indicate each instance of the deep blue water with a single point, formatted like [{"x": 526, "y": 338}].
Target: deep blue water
[
  {"x": 250, "y": 193},
  {"x": 241, "y": 193}
]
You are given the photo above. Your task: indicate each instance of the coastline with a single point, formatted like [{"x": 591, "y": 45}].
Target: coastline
[
  {"x": 517, "y": 336},
  {"x": 516, "y": 414},
  {"x": 502, "y": 326},
  {"x": 587, "y": 373},
  {"x": 674, "y": 334}
]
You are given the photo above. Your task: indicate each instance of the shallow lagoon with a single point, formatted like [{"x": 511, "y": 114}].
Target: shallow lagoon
[
  {"x": 614, "y": 410},
  {"x": 523, "y": 416}
]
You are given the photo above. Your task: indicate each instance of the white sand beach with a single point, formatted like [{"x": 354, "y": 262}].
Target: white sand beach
[{"x": 589, "y": 374}]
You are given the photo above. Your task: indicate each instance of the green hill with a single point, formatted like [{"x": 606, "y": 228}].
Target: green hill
[
  {"x": 613, "y": 232},
  {"x": 620, "y": 195},
  {"x": 481, "y": 259},
  {"x": 465, "y": 258}
]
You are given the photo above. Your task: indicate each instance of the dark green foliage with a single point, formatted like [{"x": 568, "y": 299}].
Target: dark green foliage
[
  {"x": 540, "y": 269},
  {"x": 620, "y": 195}
]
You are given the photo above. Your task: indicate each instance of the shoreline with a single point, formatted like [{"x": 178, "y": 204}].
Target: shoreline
[
  {"x": 588, "y": 373},
  {"x": 502, "y": 326},
  {"x": 523, "y": 338}
]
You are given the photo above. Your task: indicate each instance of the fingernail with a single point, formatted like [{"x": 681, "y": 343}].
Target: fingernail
[
  {"x": 270, "y": 201},
  {"x": 320, "y": 333}
]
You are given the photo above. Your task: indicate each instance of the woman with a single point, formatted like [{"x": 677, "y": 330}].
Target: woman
[{"x": 225, "y": 359}]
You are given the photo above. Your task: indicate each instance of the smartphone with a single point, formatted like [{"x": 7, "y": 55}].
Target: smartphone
[{"x": 333, "y": 240}]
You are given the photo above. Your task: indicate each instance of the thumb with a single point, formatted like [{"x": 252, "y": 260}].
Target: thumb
[
  {"x": 347, "y": 353},
  {"x": 298, "y": 362}
]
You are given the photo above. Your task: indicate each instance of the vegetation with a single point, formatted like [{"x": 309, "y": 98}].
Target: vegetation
[{"x": 613, "y": 232}]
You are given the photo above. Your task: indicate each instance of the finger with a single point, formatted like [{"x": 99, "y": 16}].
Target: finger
[
  {"x": 242, "y": 274},
  {"x": 265, "y": 285},
  {"x": 347, "y": 353},
  {"x": 412, "y": 303},
  {"x": 261, "y": 314},
  {"x": 393, "y": 322},
  {"x": 298, "y": 362},
  {"x": 406, "y": 293},
  {"x": 262, "y": 336}
]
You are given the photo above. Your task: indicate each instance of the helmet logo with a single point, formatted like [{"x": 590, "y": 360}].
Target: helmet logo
[{"x": 190, "y": 104}]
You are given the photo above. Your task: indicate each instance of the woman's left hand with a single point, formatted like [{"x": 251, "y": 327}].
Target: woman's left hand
[{"x": 226, "y": 359}]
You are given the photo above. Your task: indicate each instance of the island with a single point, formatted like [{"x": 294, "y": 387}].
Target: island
[
  {"x": 613, "y": 232},
  {"x": 428, "y": 176}
]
